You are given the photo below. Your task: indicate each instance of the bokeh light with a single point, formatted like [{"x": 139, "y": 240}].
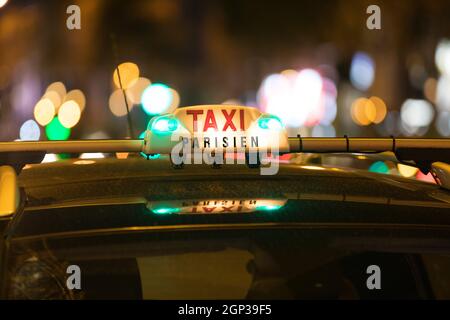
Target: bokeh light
[
  {"x": 329, "y": 101},
  {"x": 3, "y": 2},
  {"x": 323, "y": 131},
  {"x": 56, "y": 131},
  {"x": 442, "y": 56},
  {"x": 299, "y": 98},
  {"x": 416, "y": 114},
  {"x": 308, "y": 92},
  {"x": 59, "y": 88},
  {"x": 134, "y": 92},
  {"x": 363, "y": 111},
  {"x": 156, "y": 99},
  {"x": 443, "y": 123},
  {"x": 175, "y": 101},
  {"x": 30, "y": 131},
  {"x": 443, "y": 93},
  {"x": 69, "y": 114},
  {"x": 362, "y": 71},
  {"x": 44, "y": 111},
  {"x": 129, "y": 72},
  {"x": 77, "y": 96},
  {"x": 54, "y": 97},
  {"x": 380, "y": 110},
  {"x": 117, "y": 103},
  {"x": 429, "y": 89}
]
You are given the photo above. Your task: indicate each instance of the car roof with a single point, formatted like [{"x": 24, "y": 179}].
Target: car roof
[
  {"x": 79, "y": 195},
  {"x": 95, "y": 178}
]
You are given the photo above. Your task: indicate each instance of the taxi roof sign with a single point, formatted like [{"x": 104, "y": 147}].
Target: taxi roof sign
[{"x": 216, "y": 127}]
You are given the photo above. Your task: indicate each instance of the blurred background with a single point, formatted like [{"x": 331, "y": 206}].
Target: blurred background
[{"x": 315, "y": 64}]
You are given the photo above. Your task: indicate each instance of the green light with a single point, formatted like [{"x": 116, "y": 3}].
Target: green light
[
  {"x": 165, "y": 125},
  {"x": 165, "y": 210},
  {"x": 268, "y": 208},
  {"x": 270, "y": 123},
  {"x": 379, "y": 167},
  {"x": 56, "y": 131}
]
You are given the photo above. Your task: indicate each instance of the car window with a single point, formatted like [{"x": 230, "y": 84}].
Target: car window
[{"x": 252, "y": 264}]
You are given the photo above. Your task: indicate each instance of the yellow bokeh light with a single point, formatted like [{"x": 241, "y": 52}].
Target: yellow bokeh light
[
  {"x": 380, "y": 109},
  {"x": 59, "y": 88},
  {"x": 77, "y": 96},
  {"x": 406, "y": 171},
  {"x": 289, "y": 73},
  {"x": 129, "y": 72},
  {"x": 117, "y": 103},
  {"x": 370, "y": 110},
  {"x": 44, "y": 111},
  {"x": 360, "y": 113},
  {"x": 69, "y": 114},
  {"x": 134, "y": 92},
  {"x": 54, "y": 97}
]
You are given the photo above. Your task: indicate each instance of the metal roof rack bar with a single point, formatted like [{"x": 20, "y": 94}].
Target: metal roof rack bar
[
  {"x": 73, "y": 146},
  {"x": 296, "y": 144},
  {"x": 363, "y": 145}
]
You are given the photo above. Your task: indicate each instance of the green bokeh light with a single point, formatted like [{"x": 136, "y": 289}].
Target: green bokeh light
[{"x": 56, "y": 131}]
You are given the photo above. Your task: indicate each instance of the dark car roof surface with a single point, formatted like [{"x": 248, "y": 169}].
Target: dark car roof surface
[
  {"x": 56, "y": 182},
  {"x": 111, "y": 194}
]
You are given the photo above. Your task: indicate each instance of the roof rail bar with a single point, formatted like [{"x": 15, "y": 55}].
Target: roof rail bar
[
  {"x": 422, "y": 151},
  {"x": 296, "y": 144}
]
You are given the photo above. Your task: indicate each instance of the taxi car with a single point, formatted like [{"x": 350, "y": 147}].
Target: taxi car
[{"x": 137, "y": 228}]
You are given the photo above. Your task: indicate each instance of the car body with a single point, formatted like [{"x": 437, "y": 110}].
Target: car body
[{"x": 139, "y": 229}]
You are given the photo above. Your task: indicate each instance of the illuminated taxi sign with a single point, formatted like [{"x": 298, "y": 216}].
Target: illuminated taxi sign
[
  {"x": 216, "y": 127},
  {"x": 222, "y": 206},
  {"x": 228, "y": 117}
]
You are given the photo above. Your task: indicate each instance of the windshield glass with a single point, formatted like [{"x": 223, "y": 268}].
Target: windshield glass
[{"x": 252, "y": 264}]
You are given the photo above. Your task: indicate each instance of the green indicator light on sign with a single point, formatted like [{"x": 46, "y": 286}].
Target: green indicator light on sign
[
  {"x": 165, "y": 210},
  {"x": 270, "y": 123},
  {"x": 268, "y": 208}
]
